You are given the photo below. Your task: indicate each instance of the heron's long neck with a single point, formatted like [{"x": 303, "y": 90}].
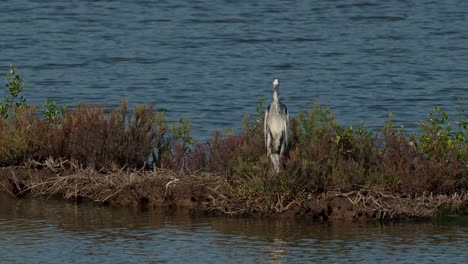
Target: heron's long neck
[{"x": 275, "y": 96}]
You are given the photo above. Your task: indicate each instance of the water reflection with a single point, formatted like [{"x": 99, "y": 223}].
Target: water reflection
[{"x": 47, "y": 230}]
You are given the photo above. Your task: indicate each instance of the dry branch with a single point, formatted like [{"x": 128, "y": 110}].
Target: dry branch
[{"x": 212, "y": 195}]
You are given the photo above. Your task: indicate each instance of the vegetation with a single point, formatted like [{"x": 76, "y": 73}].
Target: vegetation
[
  {"x": 327, "y": 156},
  {"x": 324, "y": 155},
  {"x": 15, "y": 85}
]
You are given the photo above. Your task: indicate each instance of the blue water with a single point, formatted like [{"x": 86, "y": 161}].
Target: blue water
[
  {"x": 210, "y": 61},
  {"x": 51, "y": 231}
]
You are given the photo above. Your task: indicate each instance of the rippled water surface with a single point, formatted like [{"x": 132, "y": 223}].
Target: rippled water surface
[
  {"x": 39, "y": 231},
  {"x": 210, "y": 61}
]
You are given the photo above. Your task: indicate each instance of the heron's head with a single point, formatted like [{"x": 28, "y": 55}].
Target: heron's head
[{"x": 275, "y": 85}]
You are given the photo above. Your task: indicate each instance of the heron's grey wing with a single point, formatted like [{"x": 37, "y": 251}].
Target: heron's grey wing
[
  {"x": 265, "y": 126},
  {"x": 286, "y": 125}
]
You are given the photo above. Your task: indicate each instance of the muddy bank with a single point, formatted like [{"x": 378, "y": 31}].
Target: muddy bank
[{"x": 207, "y": 193}]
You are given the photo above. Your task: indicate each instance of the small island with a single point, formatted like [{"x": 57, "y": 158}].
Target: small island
[{"x": 137, "y": 158}]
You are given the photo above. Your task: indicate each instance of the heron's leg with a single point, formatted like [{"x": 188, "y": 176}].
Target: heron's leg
[
  {"x": 283, "y": 149},
  {"x": 268, "y": 144},
  {"x": 276, "y": 162}
]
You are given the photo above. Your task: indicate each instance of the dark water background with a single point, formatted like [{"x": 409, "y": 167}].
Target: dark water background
[
  {"x": 51, "y": 231},
  {"x": 210, "y": 61}
]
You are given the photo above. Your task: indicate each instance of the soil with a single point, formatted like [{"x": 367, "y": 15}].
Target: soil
[{"x": 207, "y": 194}]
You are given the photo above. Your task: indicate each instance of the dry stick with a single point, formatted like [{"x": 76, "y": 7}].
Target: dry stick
[
  {"x": 57, "y": 186},
  {"x": 76, "y": 191},
  {"x": 375, "y": 202},
  {"x": 16, "y": 182},
  {"x": 58, "y": 181},
  {"x": 174, "y": 181},
  {"x": 111, "y": 195},
  {"x": 33, "y": 186},
  {"x": 291, "y": 203},
  {"x": 216, "y": 191},
  {"x": 212, "y": 199}
]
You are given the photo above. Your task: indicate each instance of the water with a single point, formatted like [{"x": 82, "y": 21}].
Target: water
[
  {"x": 210, "y": 61},
  {"x": 51, "y": 231}
]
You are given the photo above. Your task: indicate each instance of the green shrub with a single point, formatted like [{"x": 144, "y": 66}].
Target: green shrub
[{"x": 15, "y": 86}]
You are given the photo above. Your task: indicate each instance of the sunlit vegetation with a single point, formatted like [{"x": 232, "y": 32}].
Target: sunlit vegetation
[{"x": 323, "y": 155}]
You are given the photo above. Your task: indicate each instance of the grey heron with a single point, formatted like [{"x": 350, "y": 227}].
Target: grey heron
[{"x": 276, "y": 128}]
